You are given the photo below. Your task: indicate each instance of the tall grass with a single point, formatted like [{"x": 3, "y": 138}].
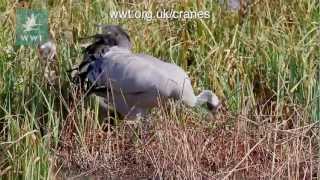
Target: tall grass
[{"x": 263, "y": 62}]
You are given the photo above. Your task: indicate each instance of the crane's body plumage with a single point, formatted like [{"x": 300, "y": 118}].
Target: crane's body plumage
[{"x": 137, "y": 80}]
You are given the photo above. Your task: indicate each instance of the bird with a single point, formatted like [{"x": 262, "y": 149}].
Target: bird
[
  {"x": 48, "y": 56},
  {"x": 48, "y": 50},
  {"x": 134, "y": 83}
]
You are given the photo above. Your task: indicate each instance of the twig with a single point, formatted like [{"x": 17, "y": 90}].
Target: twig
[{"x": 245, "y": 157}]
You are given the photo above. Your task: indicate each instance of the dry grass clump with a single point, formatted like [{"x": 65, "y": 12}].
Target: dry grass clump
[{"x": 225, "y": 147}]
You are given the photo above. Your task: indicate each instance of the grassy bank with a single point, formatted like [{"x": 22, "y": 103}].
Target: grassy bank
[{"x": 264, "y": 62}]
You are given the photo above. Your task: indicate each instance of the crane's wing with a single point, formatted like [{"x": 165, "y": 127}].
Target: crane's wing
[{"x": 123, "y": 72}]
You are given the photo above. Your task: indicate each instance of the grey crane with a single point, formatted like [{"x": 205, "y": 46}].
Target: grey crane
[{"x": 133, "y": 83}]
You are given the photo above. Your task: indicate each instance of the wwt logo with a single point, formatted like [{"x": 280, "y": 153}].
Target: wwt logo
[{"x": 31, "y": 27}]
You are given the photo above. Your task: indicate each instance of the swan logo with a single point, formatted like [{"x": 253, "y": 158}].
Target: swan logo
[
  {"x": 30, "y": 24},
  {"x": 31, "y": 27}
]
